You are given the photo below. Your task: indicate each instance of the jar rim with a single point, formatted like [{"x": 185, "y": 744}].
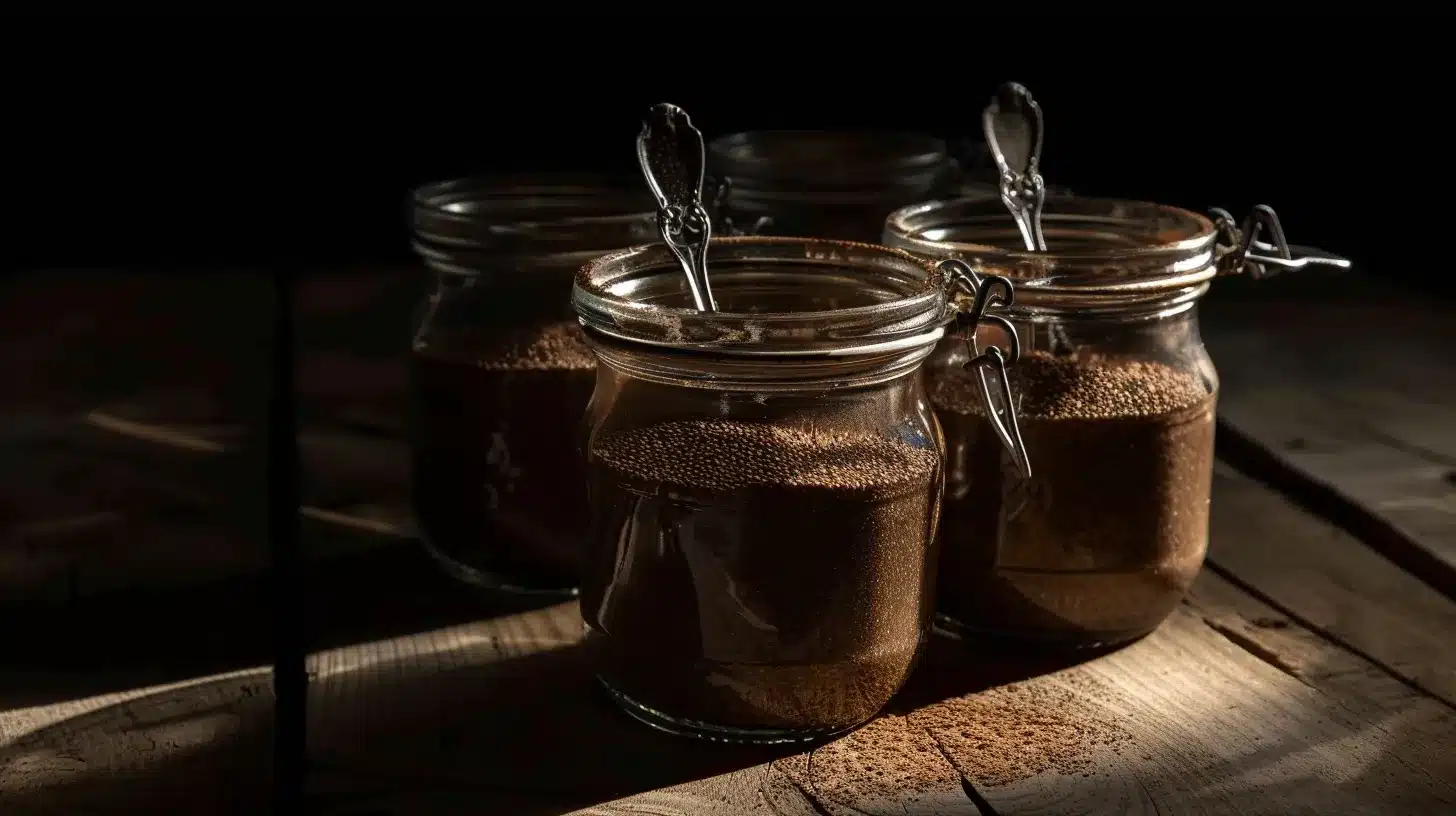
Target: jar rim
[
  {"x": 833, "y": 158},
  {"x": 501, "y": 211},
  {"x": 613, "y": 294},
  {"x": 1109, "y": 245}
]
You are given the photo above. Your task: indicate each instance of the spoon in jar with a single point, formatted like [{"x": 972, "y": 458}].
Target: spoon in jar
[
  {"x": 670, "y": 151},
  {"x": 1013, "y": 127},
  {"x": 1012, "y": 124}
]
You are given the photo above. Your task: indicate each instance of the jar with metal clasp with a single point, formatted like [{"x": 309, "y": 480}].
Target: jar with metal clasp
[
  {"x": 764, "y": 480},
  {"x": 1115, "y": 398}
]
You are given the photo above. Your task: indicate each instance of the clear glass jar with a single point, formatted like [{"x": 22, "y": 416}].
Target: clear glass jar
[
  {"x": 1115, "y": 397},
  {"x": 500, "y": 372},
  {"x": 825, "y": 184},
  {"x": 765, "y": 484}
]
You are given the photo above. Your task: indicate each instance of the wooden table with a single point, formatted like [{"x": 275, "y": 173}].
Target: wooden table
[{"x": 1312, "y": 669}]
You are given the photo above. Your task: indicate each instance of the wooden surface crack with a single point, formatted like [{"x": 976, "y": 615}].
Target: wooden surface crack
[
  {"x": 1371, "y": 431},
  {"x": 809, "y": 798},
  {"x": 1251, "y": 458},
  {"x": 1147, "y": 795},
  {"x": 1326, "y": 635},
  {"x": 983, "y": 807},
  {"x": 1257, "y": 649}
]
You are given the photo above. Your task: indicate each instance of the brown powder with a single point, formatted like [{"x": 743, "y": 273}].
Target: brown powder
[
  {"x": 887, "y": 760},
  {"x": 498, "y": 482},
  {"x": 991, "y": 739},
  {"x": 1016, "y": 732},
  {"x": 756, "y": 576},
  {"x": 1109, "y": 533}
]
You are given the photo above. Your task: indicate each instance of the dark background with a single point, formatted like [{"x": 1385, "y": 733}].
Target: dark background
[{"x": 189, "y": 141}]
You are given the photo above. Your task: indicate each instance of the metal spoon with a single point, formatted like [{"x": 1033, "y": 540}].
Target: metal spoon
[
  {"x": 670, "y": 151},
  {"x": 1013, "y": 127},
  {"x": 1012, "y": 124}
]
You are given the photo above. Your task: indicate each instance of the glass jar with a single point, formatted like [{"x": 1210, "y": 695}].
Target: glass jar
[
  {"x": 500, "y": 372},
  {"x": 827, "y": 184},
  {"x": 1115, "y": 397},
  {"x": 765, "y": 484}
]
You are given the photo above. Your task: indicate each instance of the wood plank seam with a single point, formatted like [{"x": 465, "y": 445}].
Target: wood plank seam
[
  {"x": 1256, "y": 649},
  {"x": 1417, "y": 451},
  {"x": 1250, "y": 458},
  {"x": 1319, "y": 631}
]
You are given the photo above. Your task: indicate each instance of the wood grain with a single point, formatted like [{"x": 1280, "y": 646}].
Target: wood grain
[
  {"x": 1233, "y": 706},
  {"x": 1352, "y": 387},
  {"x": 125, "y": 451},
  {"x": 1332, "y": 584}
]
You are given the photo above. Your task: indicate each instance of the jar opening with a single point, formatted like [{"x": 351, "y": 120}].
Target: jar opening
[
  {"x": 775, "y": 295},
  {"x": 1112, "y": 246},
  {"x": 826, "y": 159},
  {"x": 521, "y": 213}
]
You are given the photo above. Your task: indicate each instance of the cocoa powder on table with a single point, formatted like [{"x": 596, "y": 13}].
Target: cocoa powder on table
[
  {"x": 1107, "y": 536},
  {"x": 992, "y": 739}
]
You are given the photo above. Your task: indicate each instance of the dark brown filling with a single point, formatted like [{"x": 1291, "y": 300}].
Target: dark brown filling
[
  {"x": 1107, "y": 536},
  {"x": 498, "y": 481},
  {"x": 757, "y": 576}
]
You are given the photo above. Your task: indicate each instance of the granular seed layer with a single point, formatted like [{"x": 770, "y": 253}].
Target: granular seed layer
[
  {"x": 753, "y": 575},
  {"x": 1109, "y": 533},
  {"x": 556, "y": 346}
]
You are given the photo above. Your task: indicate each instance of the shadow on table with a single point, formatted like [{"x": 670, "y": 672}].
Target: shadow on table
[
  {"x": 515, "y": 733},
  {"x": 953, "y": 666},
  {"x": 123, "y": 640}
]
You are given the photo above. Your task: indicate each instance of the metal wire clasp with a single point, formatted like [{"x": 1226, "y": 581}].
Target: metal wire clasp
[
  {"x": 988, "y": 292},
  {"x": 1241, "y": 250}
]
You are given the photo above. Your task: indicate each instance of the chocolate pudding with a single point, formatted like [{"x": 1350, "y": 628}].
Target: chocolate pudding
[
  {"x": 1105, "y": 539},
  {"x": 498, "y": 482},
  {"x": 754, "y": 576}
]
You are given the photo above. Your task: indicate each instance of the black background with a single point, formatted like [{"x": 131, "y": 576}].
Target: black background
[{"x": 187, "y": 141}]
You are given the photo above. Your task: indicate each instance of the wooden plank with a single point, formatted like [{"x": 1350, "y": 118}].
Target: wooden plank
[
  {"x": 134, "y": 392},
  {"x": 100, "y": 503},
  {"x": 81, "y": 519},
  {"x": 1233, "y": 706},
  {"x": 1348, "y": 388},
  {"x": 132, "y": 638},
  {"x": 1322, "y": 577}
]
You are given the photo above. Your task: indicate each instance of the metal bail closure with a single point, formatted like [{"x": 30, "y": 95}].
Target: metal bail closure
[
  {"x": 1241, "y": 249},
  {"x": 988, "y": 292}
]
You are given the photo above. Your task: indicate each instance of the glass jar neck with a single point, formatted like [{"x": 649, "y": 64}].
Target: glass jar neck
[
  {"x": 793, "y": 311},
  {"x": 728, "y": 373},
  {"x": 519, "y": 225},
  {"x": 848, "y": 167},
  {"x": 1105, "y": 258}
]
